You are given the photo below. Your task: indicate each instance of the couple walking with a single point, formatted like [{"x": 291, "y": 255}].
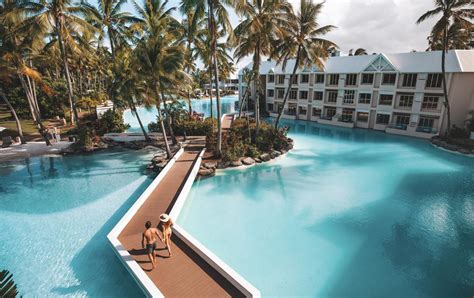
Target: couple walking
[{"x": 150, "y": 236}]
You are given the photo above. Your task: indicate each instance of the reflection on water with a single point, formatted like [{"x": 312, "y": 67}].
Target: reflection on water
[{"x": 347, "y": 213}]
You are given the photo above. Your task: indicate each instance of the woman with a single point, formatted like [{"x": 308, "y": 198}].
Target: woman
[{"x": 166, "y": 223}]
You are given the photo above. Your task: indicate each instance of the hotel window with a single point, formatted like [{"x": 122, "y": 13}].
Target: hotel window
[
  {"x": 330, "y": 112},
  {"x": 430, "y": 102},
  {"x": 332, "y": 96},
  {"x": 302, "y": 110},
  {"x": 382, "y": 119},
  {"x": 426, "y": 123},
  {"x": 293, "y": 93},
  {"x": 271, "y": 78},
  {"x": 316, "y": 112},
  {"x": 349, "y": 96},
  {"x": 406, "y": 101},
  {"x": 351, "y": 79},
  {"x": 303, "y": 94},
  {"x": 367, "y": 78},
  {"x": 318, "y": 95},
  {"x": 281, "y": 79},
  {"x": 402, "y": 121},
  {"x": 334, "y": 79},
  {"x": 362, "y": 116},
  {"x": 386, "y": 99},
  {"x": 409, "y": 80},
  {"x": 270, "y": 92},
  {"x": 319, "y": 79},
  {"x": 389, "y": 78},
  {"x": 434, "y": 80},
  {"x": 270, "y": 107},
  {"x": 304, "y": 79},
  {"x": 364, "y": 98},
  {"x": 280, "y": 93},
  {"x": 294, "y": 79}
]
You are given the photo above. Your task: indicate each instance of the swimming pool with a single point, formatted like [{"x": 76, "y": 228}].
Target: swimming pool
[
  {"x": 198, "y": 105},
  {"x": 351, "y": 213},
  {"x": 347, "y": 213},
  {"x": 55, "y": 214}
]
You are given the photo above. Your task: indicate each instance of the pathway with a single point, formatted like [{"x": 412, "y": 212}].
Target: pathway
[{"x": 185, "y": 273}]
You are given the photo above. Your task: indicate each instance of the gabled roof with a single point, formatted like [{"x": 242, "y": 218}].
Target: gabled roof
[{"x": 413, "y": 62}]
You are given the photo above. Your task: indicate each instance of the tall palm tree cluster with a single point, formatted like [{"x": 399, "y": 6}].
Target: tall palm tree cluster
[{"x": 147, "y": 57}]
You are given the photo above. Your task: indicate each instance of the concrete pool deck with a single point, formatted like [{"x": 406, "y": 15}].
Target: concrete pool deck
[{"x": 192, "y": 270}]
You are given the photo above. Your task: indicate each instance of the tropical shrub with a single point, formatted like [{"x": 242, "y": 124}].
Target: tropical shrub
[
  {"x": 111, "y": 122},
  {"x": 187, "y": 126},
  {"x": 237, "y": 142}
]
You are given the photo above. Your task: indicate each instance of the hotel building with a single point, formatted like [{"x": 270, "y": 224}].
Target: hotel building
[{"x": 396, "y": 93}]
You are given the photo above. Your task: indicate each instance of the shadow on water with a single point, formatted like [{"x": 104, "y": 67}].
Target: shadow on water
[
  {"x": 40, "y": 182},
  {"x": 98, "y": 256},
  {"x": 424, "y": 248}
]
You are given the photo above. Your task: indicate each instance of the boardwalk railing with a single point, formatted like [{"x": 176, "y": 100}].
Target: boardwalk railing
[
  {"x": 142, "y": 279},
  {"x": 220, "y": 266}
]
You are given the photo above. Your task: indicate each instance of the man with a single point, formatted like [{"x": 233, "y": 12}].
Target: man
[{"x": 149, "y": 242}]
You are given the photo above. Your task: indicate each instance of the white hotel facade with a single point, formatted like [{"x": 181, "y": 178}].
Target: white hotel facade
[{"x": 396, "y": 93}]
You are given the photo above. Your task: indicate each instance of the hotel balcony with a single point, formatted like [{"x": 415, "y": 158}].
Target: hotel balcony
[
  {"x": 337, "y": 120},
  {"x": 412, "y": 131}
]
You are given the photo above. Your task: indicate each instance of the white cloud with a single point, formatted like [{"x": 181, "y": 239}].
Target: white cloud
[{"x": 377, "y": 25}]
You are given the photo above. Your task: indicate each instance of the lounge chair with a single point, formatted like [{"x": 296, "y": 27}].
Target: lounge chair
[{"x": 6, "y": 142}]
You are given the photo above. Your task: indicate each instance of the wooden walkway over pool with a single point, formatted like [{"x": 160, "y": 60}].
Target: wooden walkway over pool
[{"x": 192, "y": 271}]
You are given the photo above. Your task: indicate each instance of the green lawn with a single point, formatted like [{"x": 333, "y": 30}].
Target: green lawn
[{"x": 7, "y": 121}]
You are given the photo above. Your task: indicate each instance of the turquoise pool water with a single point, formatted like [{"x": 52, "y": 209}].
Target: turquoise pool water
[
  {"x": 347, "y": 213},
  {"x": 55, "y": 213},
  {"x": 198, "y": 105}
]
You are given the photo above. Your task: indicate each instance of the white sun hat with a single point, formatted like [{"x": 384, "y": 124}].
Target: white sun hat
[{"x": 164, "y": 217}]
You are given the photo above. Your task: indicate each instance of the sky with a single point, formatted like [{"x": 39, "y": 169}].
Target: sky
[{"x": 387, "y": 26}]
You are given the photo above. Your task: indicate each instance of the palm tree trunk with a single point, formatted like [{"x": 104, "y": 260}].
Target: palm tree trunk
[
  {"x": 74, "y": 115},
  {"x": 34, "y": 113},
  {"x": 290, "y": 84},
  {"x": 160, "y": 117},
  {"x": 213, "y": 31},
  {"x": 17, "y": 120},
  {"x": 445, "y": 87},
  {"x": 210, "y": 87},
  {"x": 169, "y": 120},
  {"x": 245, "y": 96},
  {"x": 256, "y": 74},
  {"x": 190, "y": 108},
  {"x": 134, "y": 109}
]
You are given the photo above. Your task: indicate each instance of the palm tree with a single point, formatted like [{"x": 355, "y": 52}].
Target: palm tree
[
  {"x": 12, "y": 110},
  {"x": 459, "y": 37},
  {"x": 110, "y": 21},
  {"x": 15, "y": 45},
  {"x": 202, "y": 51},
  {"x": 127, "y": 86},
  {"x": 262, "y": 25},
  {"x": 358, "y": 52},
  {"x": 62, "y": 18},
  {"x": 452, "y": 11},
  {"x": 217, "y": 15},
  {"x": 158, "y": 55},
  {"x": 189, "y": 29},
  {"x": 303, "y": 43}
]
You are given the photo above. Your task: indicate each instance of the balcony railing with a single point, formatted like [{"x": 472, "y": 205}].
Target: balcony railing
[
  {"x": 399, "y": 126},
  {"x": 326, "y": 118},
  {"x": 290, "y": 112},
  {"x": 345, "y": 119},
  {"x": 426, "y": 129}
]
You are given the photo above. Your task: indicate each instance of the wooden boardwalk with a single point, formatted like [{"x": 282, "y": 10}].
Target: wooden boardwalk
[
  {"x": 227, "y": 122},
  {"x": 185, "y": 274}
]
